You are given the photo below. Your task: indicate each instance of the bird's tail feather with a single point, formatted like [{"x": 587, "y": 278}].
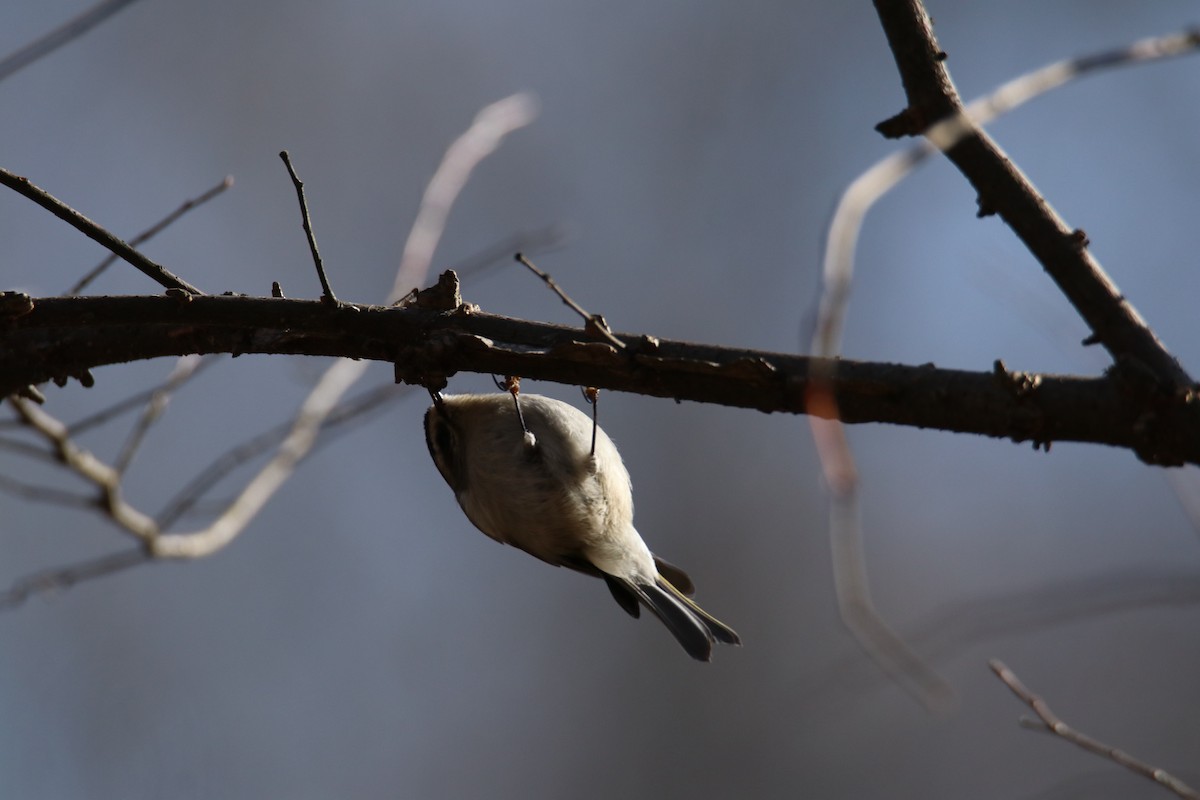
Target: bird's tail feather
[
  {"x": 719, "y": 630},
  {"x": 691, "y": 625}
]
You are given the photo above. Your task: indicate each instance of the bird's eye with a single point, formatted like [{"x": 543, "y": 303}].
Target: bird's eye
[
  {"x": 439, "y": 435},
  {"x": 444, "y": 435}
]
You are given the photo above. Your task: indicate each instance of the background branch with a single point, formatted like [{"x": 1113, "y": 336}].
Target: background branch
[{"x": 67, "y": 32}]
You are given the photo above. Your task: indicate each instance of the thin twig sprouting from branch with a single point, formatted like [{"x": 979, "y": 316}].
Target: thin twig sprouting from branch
[
  {"x": 1050, "y": 722},
  {"x": 153, "y": 230},
  {"x": 327, "y": 296},
  {"x": 554, "y": 287},
  {"x": 594, "y": 324},
  {"x": 71, "y": 29},
  {"x": 157, "y": 272}
]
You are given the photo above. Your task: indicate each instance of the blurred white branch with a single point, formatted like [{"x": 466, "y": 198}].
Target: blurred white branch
[
  {"x": 490, "y": 127},
  {"x": 88, "y": 467}
]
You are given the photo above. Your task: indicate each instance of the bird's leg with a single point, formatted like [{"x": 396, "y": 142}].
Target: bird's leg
[
  {"x": 592, "y": 395},
  {"x": 512, "y": 385}
]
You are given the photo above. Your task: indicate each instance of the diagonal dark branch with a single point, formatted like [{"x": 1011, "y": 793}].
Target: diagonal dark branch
[
  {"x": 1005, "y": 190},
  {"x": 153, "y": 230},
  {"x": 594, "y": 324},
  {"x": 25, "y": 188}
]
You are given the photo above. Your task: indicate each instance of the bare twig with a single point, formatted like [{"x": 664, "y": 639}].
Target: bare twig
[
  {"x": 65, "y": 577},
  {"x": 327, "y": 296},
  {"x": 594, "y": 324},
  {"x": 72, "y": 29},
  {"x": 185, "y": 368},
  {"x": 153, "y": 230},
  {"x": 1051, "y": 723},
  {"x": 157, "y": 272}
]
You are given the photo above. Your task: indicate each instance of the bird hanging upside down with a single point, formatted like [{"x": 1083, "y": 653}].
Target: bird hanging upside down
[{"x": 527, "y": 473}]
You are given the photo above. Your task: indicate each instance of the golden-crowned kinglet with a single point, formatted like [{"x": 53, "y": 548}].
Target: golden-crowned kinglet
[{"x": 533, "y": 482}]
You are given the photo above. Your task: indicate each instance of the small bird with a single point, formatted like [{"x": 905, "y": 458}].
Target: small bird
[{"x": 526, "y": 472}]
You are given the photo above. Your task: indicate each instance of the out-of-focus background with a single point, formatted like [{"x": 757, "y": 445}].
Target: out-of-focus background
[{"x": 361, "y": 639}]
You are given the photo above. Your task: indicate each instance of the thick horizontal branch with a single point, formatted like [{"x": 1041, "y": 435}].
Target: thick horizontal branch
[{"x": 59, "y": 338}]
